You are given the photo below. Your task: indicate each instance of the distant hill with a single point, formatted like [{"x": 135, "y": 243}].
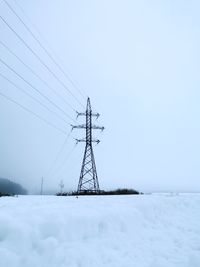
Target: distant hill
[{"x": 9, "y": 187}]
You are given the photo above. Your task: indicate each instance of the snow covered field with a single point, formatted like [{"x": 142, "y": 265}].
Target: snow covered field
[{"x": 114, "y": 231}]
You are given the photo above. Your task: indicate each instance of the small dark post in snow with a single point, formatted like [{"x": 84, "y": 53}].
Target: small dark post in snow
[
  {"x": 42, "y": 183},
  {"x": 61, "y": 184}
]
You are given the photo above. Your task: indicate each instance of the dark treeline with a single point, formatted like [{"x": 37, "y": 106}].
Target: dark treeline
[{"x": 123, "y": 191}]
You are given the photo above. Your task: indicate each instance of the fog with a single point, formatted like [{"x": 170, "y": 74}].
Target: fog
[{"x": 138, "y": 61}]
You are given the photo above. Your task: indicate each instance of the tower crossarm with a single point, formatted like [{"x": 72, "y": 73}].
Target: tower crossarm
[
  {"x": 96, "y": 127},
  {"x": 84, "y": 126},
  {"x": 84, "y": 140},
  {"x": 85, "y": 114}
]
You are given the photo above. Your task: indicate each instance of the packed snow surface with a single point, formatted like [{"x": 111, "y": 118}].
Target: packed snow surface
[{"x": 114, "y": 231}]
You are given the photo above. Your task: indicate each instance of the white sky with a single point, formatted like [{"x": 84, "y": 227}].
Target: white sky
[{"x": 139, "y": 62}]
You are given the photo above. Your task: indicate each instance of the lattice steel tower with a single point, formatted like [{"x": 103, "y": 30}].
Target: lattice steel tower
[{"x": 88, "y": 181}]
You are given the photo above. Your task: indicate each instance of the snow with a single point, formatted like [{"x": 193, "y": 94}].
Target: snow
[{"x": 115, "y": 231}]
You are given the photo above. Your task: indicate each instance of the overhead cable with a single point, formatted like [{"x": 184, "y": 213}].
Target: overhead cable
[
  {"x": 34, "y": 98},
  {"x": 38, "y": 91},
  {"x": 39, "y": 59},
  {"x": 31, "y": 112},
  {"x": 58, "y": 154},
  {"x": 36, "y": 75},
  {"x": 43, "y": 47}
]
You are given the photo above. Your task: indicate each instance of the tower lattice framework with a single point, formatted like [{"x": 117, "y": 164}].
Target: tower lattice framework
[{"x": 88, "y": 181}]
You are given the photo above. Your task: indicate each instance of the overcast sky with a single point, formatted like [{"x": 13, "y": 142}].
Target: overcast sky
[{"x": 139, "y": 62}]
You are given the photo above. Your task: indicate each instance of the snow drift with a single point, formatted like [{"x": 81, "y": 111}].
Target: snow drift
[{"x": 115, "y": 231}]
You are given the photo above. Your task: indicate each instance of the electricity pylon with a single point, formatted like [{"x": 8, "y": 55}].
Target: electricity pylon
[{"x": 88, "y": 181}]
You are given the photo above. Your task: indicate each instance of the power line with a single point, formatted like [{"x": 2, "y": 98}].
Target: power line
[
  {"x": 66, "y": 162},
  {"x": 32, "y": 97},
  {"x": 34, "y": 73},
  {"x": 42, "y": 46},
  {"x": 40, "y": 60},
  {"x": 66, "y": 159},
  {"x": 38, "y": 91},
  {"x": 58, "y": 154},
  {"x": 33, "y": 113}
]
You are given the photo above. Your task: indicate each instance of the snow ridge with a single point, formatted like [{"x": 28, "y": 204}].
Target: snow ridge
[{"x": 115, "y": 231}]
